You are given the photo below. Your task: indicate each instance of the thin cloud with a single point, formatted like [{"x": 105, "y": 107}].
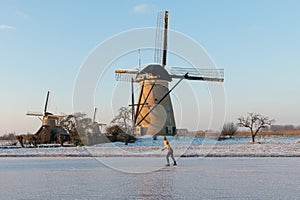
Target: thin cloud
[
  {"x": 22, "y": 14},
  {"x": 3, "y": 27},
  {"x": 143, "y": 8}
]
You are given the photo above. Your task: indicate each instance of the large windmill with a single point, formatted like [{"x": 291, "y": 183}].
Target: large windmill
[
  {"x": 153, "y": 113},
  {"x": 49, "y": 132}
]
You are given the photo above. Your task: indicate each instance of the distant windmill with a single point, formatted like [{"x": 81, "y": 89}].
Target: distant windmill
[
  {"x": 49, "y": 132},
  {"x": 153, "y": 113},
  {"x": 97, "y": 127}
]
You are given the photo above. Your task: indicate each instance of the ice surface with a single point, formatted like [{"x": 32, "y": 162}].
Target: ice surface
[{"x": 194, "y": 178}]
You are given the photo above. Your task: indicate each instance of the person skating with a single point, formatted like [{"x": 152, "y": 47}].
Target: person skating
[{"x": 170, "y": 152}]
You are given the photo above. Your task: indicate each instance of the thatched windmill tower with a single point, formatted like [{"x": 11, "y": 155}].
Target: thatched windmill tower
[
  {"x": 153, "y": 113},
  {"x": 49, "y": 132}
]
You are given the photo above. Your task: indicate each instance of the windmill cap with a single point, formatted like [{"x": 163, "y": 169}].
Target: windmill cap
[{"x": 157, "y": 71}]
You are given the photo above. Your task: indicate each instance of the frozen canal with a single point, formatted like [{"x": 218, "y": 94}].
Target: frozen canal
[{"x": 194, "y": 178}]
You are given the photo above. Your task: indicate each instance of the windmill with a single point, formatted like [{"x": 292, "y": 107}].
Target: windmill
[
  {"x": 49, "y": 132},
  {"x": 153, "y": 113},
  {"x": 97, "y": 127}
]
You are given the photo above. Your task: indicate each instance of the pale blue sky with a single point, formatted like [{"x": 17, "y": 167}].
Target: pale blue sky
[{"x": 44, "y": 43}]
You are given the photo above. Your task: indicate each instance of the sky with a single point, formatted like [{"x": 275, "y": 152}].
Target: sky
[{"x": 43, "y": 45}]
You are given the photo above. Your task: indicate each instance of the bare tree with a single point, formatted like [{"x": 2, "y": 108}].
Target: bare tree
[
  {"x": 20, "y": 139},
  {"x": 229, "y": 129},
  {"x": 8, "y": 136},
  {"x": 77, "y": 125},
  {"x": 123, "y": 119},
  {"x": 254, "y": 122}
]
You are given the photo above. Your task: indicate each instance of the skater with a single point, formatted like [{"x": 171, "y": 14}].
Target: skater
[{"x": 170, "y": 152}]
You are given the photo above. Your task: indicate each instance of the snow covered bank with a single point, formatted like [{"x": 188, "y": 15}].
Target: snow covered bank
[{"x": 217, "y": 150}]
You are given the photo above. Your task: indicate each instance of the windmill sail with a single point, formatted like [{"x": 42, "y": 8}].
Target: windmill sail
[
  {"x": 34, "y": 114},
  {"x": 125, "y": 75},
  {"x": 215, "y": 75},
  {"x": 159, "y": 38},
  {"x": 46, "y": 104},
  {"x": 165, "y": 47},
  {"x": 94, "y": 116}
]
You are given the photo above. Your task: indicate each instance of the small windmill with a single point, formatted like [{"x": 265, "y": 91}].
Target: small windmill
[
  {"x": 153, "y": 113},
  {"x": 97, "y": 127},
  {"x": 49, "y": 132}
]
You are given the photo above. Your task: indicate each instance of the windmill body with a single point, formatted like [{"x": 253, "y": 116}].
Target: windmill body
[{"x": 152, "y": 90}]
